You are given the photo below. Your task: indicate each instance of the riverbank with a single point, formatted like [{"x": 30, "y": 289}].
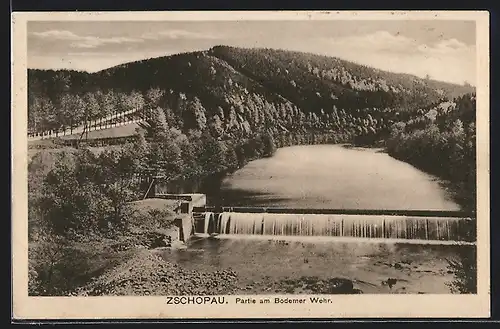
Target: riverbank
[
  {"x": 125, "y": 264},
  {"x": 147, "y": 274},
  {"x": 118, "y": 268}
]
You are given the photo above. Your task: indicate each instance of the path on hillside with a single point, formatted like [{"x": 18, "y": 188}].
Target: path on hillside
[{"x": 92, "y": 125}]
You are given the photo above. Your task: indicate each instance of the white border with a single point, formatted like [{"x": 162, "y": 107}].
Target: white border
[{"x": 352, "y": 306}]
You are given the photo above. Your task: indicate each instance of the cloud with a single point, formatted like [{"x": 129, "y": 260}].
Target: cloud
[
  {"x": 377, "y": 41},
  {"x": 90, "y": 61},
  {"x": 93, "y": 42},
  {"x": 446, "y": 47},
  {"x": 452, "y": 44},
  {"x": 387, "y": 42},
  {"x": 78, "y": 41},
  {"x": 90, "y": 42},
  {"x": 448, "y": 60},
  {"x": 56, "y": 35},
  {"x": 178, "y": 34}
]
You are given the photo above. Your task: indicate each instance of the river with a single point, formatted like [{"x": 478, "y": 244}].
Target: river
[
  {"x": 333, "y": 176},
  {"x": 327, "y": 176}
]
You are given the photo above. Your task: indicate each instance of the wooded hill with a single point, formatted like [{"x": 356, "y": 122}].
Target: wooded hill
[{"x": 235, "y": 92}]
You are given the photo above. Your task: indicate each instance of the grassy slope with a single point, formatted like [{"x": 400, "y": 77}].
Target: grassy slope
[{"x": 48, "y": 154}]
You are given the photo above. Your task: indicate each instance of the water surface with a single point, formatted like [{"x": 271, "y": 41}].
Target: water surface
[
  {"x": 327, "y": 176},
  {"x": 264, "y": 264},
  {"x": 333, "y": 176}
]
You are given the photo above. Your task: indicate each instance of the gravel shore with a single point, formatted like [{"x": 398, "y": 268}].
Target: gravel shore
[{"x": 148, "y": 274}]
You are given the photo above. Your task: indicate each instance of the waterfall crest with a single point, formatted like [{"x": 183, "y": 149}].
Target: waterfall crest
[{"x": 354, "y": 226}]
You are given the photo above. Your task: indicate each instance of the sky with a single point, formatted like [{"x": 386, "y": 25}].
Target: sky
[{"x": 443, "y": 50}]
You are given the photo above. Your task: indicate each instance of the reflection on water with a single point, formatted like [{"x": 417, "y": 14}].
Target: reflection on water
[
  {"x": 262, "y": 263},
  {"x": 331, "y": 176}
]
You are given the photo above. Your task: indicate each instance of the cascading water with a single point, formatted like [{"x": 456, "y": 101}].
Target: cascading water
[{"x": 353, "y": 226}]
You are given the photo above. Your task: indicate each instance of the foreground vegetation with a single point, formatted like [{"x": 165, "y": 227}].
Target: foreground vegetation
[{"x": 211, "y": 117}]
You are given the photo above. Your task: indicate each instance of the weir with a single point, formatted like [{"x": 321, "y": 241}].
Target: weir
[{"x": 415, "y": 228}]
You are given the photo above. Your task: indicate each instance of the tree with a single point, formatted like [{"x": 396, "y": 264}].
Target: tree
[
  {"x": 140, "y": 145},
  {"x": 269, "y": 144},
  {"x": 215, "y": 125},
  {"x": 154, "y": 96},
  {"x": 172, "y": 155},
  {"x": 92, "y": 110},
  {"x": 107, "y": 102},
  {"x": 86, "y": 194},
  {"x": 118, "y": 167},
  {"x": 195, "y": 116},
  {"x": 61, "y": 82},
  {"x": 34, "y": 111},
  {"x": 231, "y": 122},
  {"x": 75, "y": 111},
  {"x": 191, "y": 150},
  {"x": 59, "y": 206},
  {"x": 230, "y": 157},
  {"x": 47, "y": 114},
  {"x": 133, "y": 101},
  {"x": 158, "y": 125},
  {"x": 212, "y": 156}
]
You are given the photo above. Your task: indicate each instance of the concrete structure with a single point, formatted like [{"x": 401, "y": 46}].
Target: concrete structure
[
  {"x": 192, "y": 200},
  {"x": 184, "y": 219},
  {"x": 185, "y": 227}
]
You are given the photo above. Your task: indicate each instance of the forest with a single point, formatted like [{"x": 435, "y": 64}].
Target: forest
[
  {"x": 235, "y": 86},
  {"x": 442, "y": 141},
  {"x": 209, "y": 113}
]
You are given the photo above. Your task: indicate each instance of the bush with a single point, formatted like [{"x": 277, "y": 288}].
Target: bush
[{"x": 464, "y": 267}]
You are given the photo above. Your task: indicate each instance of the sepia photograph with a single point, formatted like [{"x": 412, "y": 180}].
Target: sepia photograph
[{"x": 213, "y": 160}]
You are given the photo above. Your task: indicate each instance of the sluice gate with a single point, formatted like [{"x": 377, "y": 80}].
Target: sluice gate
[{"x": 425, "y": 226}]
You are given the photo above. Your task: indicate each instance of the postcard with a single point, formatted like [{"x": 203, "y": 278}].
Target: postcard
[{"x": 272, "y": 164}]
